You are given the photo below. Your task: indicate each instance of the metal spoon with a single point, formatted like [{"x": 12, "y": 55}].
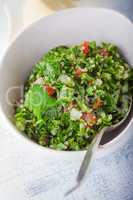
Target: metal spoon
[{"x": 119, "y": 127}]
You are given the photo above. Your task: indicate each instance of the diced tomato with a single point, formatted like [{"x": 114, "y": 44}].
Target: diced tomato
[
  {"x": 50, "y": 90},
  {"x": 104, "y": 52},
  {"x": 79, "y": 71},
  {"x": 90, "y": 82},
  {"x": 89, "y": 118},
  {"x": 88, "y": 126},
  {"x": 98, "y": 103},
  {"x": 70, "y": 106},
  {"x": 85, "y": 48}
]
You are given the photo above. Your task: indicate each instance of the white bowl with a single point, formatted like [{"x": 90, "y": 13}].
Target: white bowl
[{"x": 63, "y": 28}]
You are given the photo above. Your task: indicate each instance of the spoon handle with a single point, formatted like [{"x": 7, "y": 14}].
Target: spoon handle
[
  {"x": 89, "y": 155},
  {"x": 87, "y": 160}
]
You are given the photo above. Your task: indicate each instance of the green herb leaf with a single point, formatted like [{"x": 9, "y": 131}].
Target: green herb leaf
[{"x": 37, "y": 100}]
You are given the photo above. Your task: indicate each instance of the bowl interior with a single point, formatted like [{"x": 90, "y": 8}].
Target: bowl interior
[{"x": 63, "y": 28}]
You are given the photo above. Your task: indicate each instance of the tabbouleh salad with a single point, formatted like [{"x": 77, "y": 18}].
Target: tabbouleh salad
[{"x": 72, "y": 93}]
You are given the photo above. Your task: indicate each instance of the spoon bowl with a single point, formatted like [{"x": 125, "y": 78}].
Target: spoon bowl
[{"x": 115, "y": 128}]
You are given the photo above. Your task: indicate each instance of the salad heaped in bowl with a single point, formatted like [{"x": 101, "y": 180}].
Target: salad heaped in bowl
[{"x": 72, "y": 93}]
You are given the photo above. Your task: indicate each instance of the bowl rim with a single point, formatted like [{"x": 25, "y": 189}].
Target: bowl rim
[{"x": 9, "y": 124}]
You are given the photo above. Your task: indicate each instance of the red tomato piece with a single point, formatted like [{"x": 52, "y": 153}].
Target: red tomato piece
[
  {"x": 98, "y": 103},
  {"x": 85, "y": 47},
  {"x": 88, "y": 126},
  {"x": 90, "y": 82},
  {"x": 79, "y": 72},
  {"x": 70, "y": 106},
  {"x": 104, "y": 52},
  {"x": 50, "y": 90},
  {"x": 89, "y": 118}
]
